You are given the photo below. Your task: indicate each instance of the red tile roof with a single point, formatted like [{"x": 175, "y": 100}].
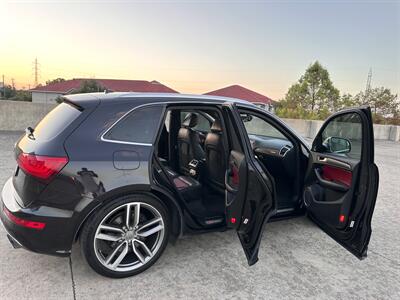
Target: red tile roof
[
  {"x": 115, "y": 85},
  {"x": 239, "y": 92}
]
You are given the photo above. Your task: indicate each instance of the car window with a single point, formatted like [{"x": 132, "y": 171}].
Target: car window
[
  {"x": 256, "y": 126},
  {"x": 140, "y": 126},
  {"x": 202, "y": 123},
  {"x": 167, "y": 122},
  {"x": 343, "y": 136},
  {"x": 56, "y": 121}
]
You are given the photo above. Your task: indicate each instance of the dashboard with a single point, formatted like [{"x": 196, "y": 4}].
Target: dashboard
[
  {"x": 276, "y": 154},
  {"x": 270, "y": 146}
]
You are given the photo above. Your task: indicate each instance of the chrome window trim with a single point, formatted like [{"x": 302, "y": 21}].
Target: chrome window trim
[
  {"x": 126, "y": 143},
  {"x": 102, "y": 138}
]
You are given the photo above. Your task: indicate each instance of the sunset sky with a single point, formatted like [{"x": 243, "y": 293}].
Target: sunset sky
[{"x": 197, "y": 47}]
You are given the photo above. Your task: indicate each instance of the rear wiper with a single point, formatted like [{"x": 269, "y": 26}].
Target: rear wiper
[{"x": 29, "y": 132}]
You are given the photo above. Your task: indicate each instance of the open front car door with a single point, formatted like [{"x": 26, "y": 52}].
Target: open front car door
[
  {"x": 249, "y": 198},
  {"x": 342, "y": 179}
]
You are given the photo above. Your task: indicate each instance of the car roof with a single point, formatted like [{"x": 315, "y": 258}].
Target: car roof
[
  {"x": 151, "y": 98},
  {"x": 90, "y": 99}
]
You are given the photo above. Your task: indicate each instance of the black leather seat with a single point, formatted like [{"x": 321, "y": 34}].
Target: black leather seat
[
  {"x": 189, "y": 143},
  {"x": 215, "y": 157}
]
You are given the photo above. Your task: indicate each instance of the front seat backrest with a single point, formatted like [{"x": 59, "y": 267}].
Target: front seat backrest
[
  {"x": 189, "y": 143},
  {"x": 215, "y": 156}
]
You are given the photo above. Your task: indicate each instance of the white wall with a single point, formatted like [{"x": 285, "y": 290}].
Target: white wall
[
  {"x": 17, "y": 115},
  {"x": 40, "y": 97},
  {"x": 310, "y": 128}
]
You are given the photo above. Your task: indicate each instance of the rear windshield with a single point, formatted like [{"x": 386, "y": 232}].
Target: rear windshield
[{"x": 56, "y": 121}]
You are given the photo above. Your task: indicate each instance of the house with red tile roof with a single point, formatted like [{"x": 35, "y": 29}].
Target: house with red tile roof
[
  {"x": 240, "y": 92},
  {"x": 49, "y": 93}
]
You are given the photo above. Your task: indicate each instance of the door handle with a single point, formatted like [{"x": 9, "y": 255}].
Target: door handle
[{"x": 333, "y": 162}]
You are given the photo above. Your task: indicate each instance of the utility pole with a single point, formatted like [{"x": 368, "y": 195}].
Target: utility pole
[
  {"x": 368, "y": 86},
  {"x": 36, "y": 71},
  {"x": 13, "y": 83},
  {"x": 4, "y": 88}
]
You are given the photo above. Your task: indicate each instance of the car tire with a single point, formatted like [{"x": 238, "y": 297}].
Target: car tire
[{"x": 140, "y": 247}]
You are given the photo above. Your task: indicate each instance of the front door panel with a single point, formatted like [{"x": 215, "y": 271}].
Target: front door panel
[
  {"x": 342, "y": 179},
  {"x": 329, "y": 192},
  {"x": 337, "y": 175}
]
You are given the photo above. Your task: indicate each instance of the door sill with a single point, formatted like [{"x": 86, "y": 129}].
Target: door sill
[
  {"x": 284, "y": 210},
  {"x": 287, "y": 213}
]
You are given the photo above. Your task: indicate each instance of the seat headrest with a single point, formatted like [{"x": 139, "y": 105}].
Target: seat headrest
[
  {"x": 190, "y": 120},
  {"x": 216, "y": 126}
]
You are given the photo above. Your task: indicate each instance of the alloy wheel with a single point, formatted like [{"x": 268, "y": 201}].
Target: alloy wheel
[{"x": 129, "y": 236}]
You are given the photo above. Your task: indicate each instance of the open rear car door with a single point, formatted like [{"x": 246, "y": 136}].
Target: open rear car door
[
  {"x": 249, "y": 198},
  {"x": 342, "y": 179}
]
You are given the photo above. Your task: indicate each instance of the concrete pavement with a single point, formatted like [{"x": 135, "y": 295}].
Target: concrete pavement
[{"x": 297, "y": 260}]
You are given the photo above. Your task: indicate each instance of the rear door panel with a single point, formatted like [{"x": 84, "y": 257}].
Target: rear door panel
[
  {"x": 258, "y": 207},
  {"x": 249, "y": 197},
  {"x": 236, "y": 186}
]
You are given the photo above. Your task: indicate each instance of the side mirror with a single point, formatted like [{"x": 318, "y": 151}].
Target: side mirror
[
  {"x": 337, "y": 145},
  {"x": 246, "y": 117}
]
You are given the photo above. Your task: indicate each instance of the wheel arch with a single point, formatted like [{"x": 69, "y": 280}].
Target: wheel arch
[{"x": 163, "y": 196}]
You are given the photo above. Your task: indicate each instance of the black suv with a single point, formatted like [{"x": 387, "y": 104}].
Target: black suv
[{"x": 125, "y": 172}]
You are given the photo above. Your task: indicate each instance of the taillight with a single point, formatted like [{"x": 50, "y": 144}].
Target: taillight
[
  {"x": 22, "y": 222},
  {"x": 43, "y": 167}
]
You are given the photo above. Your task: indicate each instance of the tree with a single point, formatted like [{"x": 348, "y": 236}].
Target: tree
[
  {"x": 22, "y": 95},
  {"x": 346, "y": 100},
  {"x": 385, "y": 106},
  {"x": 89, "y": 86},
  {"x": 7, "y": 92},
  {"x": 57, "y": 80},
  {"x": 381, "y": 100},
  {"x": 16, "y": 95},
  {"x": 314, "y": 92}
]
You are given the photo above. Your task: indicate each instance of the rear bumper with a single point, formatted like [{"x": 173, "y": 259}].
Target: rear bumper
[
  {"x": 14, "y": 242},
  {"x": 54, "y": 239}
]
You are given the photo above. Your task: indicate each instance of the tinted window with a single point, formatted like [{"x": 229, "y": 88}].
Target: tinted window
[
  {"x": 343, "y": 136},
  {"x": 258, "y": 127},
  {"x": 203, "y": 124},
  {"x": 56, "y": 121},
  {"x": 140, "y": 126}
]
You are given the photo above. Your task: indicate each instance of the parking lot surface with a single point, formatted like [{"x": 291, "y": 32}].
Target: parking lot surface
[{"x": 297, "y": 260}]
